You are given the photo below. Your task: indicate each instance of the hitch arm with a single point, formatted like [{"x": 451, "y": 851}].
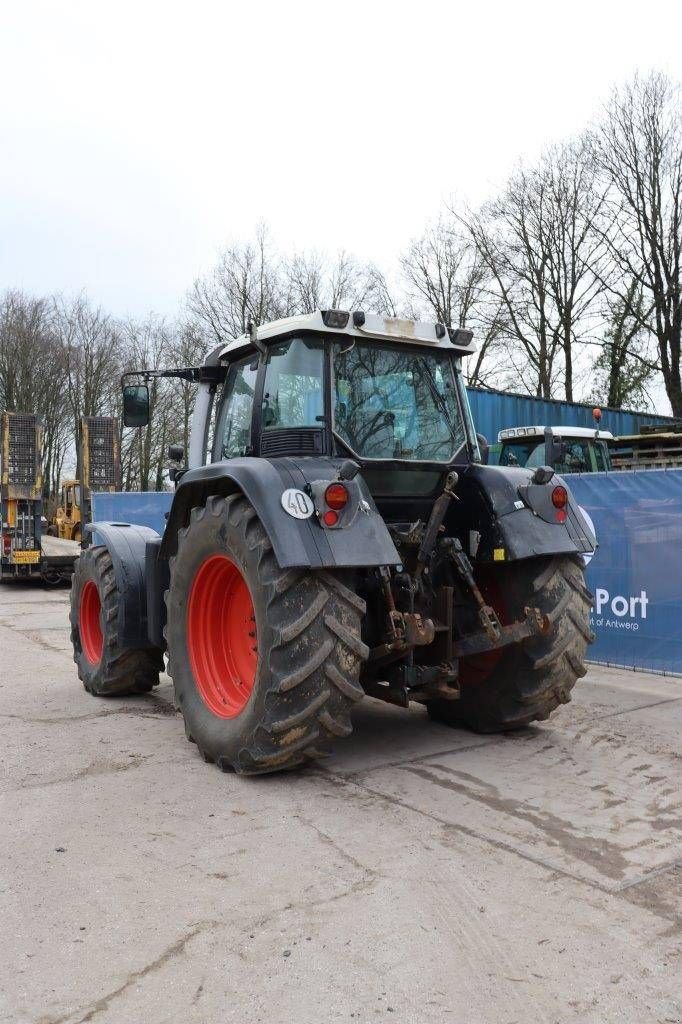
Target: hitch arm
[
  {"x": 440, "y": 507},
  {"x": 534, "y": 624},
  {"x": 486, "y": 615}
]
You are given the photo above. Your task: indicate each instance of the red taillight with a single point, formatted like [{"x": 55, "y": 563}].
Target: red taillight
[
  {"x": 561, "y": 515},
  {"x": 6, "y": 544},
  {"x": 336, "y": 496},
  {"x": 330, "y": 518},
  {"x": 560, "y": 497}
]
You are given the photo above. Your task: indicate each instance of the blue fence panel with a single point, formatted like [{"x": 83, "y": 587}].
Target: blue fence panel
[
  {"x": 636, "y": 574},
  {"x": 144, "y": 508},
  {"x": 495, "y": 410}
]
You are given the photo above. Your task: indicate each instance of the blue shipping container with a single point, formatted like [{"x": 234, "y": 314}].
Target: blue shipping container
[{"x": 495, "y": 410}]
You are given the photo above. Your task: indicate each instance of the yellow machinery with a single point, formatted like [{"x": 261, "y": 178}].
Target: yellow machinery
[
  {"x": 67, "y": 521},
  {"x": 101, "y": 471},
  {"x": 21, "y": 487}
]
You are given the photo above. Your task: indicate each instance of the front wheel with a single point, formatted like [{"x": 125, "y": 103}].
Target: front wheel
[
  {"x": 265, "y": 661},
  {"x": 511, "y": 687},
  {"x": 104, "y": 667}
]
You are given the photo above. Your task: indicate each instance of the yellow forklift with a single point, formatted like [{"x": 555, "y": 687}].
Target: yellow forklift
[
  {"x": 67, "y": 521},
  {"x": 100, "y": 460}
]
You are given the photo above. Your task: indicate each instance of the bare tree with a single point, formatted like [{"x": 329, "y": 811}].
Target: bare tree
[
  {"x": 245, "y": 287},
  {"x": 447, "y": 279},
  {"x": 638, "y": 148},
  {"x": 624, "y": 369},
  {"x": 538, "y": 241},
  {"x": 187, "y": 348},
  {"x": 148, "y": 345},
  {"x": 312, "y": 281},
  {"x": 91, "y": 345},
  {"x": 33, "y": 375}
]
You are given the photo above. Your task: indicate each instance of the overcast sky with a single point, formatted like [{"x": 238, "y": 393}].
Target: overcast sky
[{"x": 139, "y": 138}]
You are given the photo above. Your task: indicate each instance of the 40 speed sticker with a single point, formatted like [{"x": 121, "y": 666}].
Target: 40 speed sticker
[{"x": 297, "y": 503}]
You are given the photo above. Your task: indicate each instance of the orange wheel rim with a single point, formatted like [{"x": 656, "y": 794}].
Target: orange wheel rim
[
  {"x": 89, "y": 625},
  {"x": 221, "y": 637}
]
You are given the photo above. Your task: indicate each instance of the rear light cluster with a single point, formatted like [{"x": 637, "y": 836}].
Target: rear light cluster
[
  {"x": 336, "y": 498},
  {"x": 560, "y": 501},
  {"x": 6, "y": 544}
]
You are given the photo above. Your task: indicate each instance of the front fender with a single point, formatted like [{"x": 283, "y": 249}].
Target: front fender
[
  {"x": 127, "y": 545},
  {"x": 297, "y": 543}
]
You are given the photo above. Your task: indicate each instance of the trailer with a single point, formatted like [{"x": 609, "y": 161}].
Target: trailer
[
  {"x": 21, "y": 489},
  {"x": 26, "y": 552}
]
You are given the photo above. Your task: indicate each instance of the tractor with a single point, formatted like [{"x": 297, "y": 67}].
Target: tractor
[{"x": 335, "y": 533}]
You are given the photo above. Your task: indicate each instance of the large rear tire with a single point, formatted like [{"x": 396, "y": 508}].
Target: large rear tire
[
  {"x": 105, "y": 668},
  {"x": 265, "y": 661},
  {"x": 526, "y": 682}
]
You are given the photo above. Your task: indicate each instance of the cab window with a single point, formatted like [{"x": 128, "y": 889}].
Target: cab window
[
  {"x": 576, "y": 458},
  {"x": 233, "y": 428},
  {"x": 601, "y": 459},
  {"x": 293, "y": 393}
]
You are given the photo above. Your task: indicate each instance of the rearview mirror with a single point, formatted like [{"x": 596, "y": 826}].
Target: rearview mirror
[
  {"x": 555, "y": 448},
  {"x": 136, "y": 405}
]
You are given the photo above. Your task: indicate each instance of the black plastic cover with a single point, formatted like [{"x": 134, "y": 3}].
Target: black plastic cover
[{"x": 296, "y": 542}]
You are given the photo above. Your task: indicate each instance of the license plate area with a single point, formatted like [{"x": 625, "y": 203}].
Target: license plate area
[{"x": 25, "y": 557}]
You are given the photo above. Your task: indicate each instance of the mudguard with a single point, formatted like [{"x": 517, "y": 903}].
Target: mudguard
[
  {"x": 516, "y": 518},
  {"x": 297, "y": 543},
  {"x": 127, "y": 546}
]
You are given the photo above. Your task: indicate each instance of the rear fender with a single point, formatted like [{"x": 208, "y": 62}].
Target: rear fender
[
  {"x": 127, "y": 546},
  {"x": 515, "y": 518},
  {"x": 297, "y": 543}
]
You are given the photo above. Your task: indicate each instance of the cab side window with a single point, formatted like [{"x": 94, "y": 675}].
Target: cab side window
[
  {"x": 601, "y": 464},
  {"x": 233, "y": 429}
]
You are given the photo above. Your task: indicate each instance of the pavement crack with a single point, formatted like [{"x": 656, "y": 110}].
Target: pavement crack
[
  {"x": 91, "y": 1010},
  {"x": 347, "y": 857},
  {"x": 639, "y": 707},
  {"x": 148, "y": 711},
  {"x": 418, "y": 758},
  {"x": 90, "y": 771}
]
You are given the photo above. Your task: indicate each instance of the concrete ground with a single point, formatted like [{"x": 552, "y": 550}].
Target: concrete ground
[{"x": 420, "y": 874}]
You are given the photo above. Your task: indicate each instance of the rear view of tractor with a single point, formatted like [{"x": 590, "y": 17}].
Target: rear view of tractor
[
  {"x": 335, "y": 534},
  {"x": 21, "y": 484}
]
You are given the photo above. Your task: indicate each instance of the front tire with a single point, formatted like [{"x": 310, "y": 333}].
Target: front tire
[
  {"x": 105, "y": 668},
  {"x": 260, "y": 710},
  {"x": 525, "y": 682}
]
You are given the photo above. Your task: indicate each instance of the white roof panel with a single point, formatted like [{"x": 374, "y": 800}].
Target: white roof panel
[{"x": 375, "y": 327}]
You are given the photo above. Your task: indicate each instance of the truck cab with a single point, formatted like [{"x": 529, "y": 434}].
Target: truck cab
[{"x": 565, "y": 449}]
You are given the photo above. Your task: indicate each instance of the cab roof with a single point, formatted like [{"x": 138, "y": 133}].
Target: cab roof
[
  {"x": 358, "y": 324},
  {"x": 562, "y": 432}
]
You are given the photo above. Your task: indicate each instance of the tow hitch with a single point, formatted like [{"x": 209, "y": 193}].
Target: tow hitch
[{"x": 534, "y": 624}]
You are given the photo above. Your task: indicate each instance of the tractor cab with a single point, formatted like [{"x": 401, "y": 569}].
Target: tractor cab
[
  {"x": 565, "y": 449},
  {"x": 365, "y": 388}
]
